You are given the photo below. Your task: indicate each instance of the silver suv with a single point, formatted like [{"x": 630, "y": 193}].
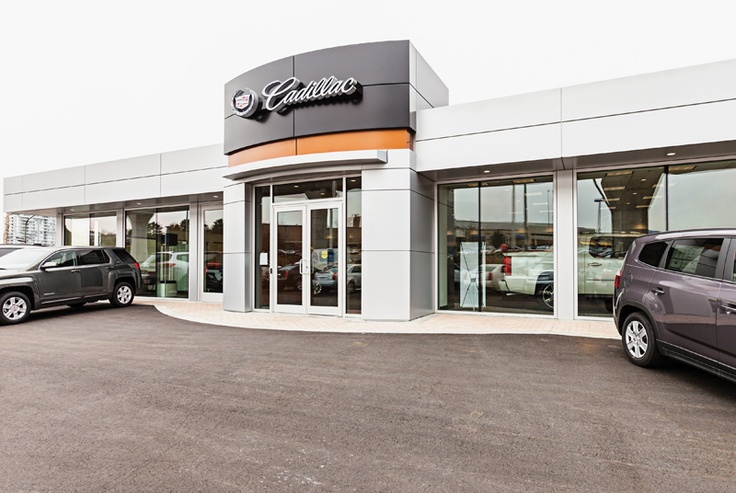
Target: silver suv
[
  {"x": 35, "y": 278},
  {"x": 675, "y": 296}
]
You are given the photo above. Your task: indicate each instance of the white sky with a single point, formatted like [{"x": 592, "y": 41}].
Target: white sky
[{"x": 91, "y": 81}]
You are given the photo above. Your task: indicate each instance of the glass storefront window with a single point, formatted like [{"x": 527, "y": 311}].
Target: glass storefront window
[
  {"x": 354, "y": 235},
  {"x": 159, "y": 240},
  {"x": 97, "y": 229},
  {"x": 213, "y": 247},
  {"x": 262, "y": 246},
  {"x": 496, "y": 241},
  {"x": 616, "y": 206}
]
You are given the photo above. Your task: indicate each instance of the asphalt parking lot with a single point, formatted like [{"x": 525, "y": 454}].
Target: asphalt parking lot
[{"x": 132, "y": 400}]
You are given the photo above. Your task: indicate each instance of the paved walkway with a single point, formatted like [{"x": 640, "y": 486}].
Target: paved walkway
[{"x": 437, "y": 323}]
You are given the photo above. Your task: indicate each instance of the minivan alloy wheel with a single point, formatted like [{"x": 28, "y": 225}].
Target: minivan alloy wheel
[{"x": 639, "y": 340}]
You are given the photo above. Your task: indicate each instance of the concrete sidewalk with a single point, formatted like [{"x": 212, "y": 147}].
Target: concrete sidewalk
[{"x": 437, "y": 323}]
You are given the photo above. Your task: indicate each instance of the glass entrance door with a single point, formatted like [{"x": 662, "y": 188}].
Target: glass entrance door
[{"x": 307, "y": 258}]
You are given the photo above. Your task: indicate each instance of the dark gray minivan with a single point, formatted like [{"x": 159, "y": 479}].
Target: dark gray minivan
[{"x": 675, "y": 296}]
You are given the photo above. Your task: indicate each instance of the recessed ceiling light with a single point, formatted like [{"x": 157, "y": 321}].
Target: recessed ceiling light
[
  {"x": 486, "y": 171},
  {"x": 670, "y": 154}
]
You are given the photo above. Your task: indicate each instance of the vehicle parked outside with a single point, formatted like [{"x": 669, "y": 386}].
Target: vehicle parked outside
[
  {"x": 36, "y": 278},
  {"x": 675, "y": 296}
]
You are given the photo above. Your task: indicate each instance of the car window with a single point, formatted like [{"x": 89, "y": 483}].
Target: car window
[
  {"x": 92, "y": 257},
  {"x": 124, "y": 256},
  {"x": 184, "y": 257},
  {"x": 697, "y": 256},
  {"x": 60, "y": 259},
  {"x": 651, "y": 253}
]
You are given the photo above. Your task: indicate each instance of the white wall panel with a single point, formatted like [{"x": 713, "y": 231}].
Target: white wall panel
[
  {"x": 12, "y": 203},
  {"x": 422, "y": 284},
  {"x": 234, "y": 222},
  {"x": 192, "y": 182},
  {"x": 386, "y": 220},
  {"x": 47, "y": 199},
  {"x": 233, "y": 193},
  {"x": 60, "y": 178},
  {"x": 234, "y": 297},
  {"x": 385, "y": 285},
  {"x": 421, "y": 222},
  {"x": 509, "y": 146},
  {"x": 712, "y": 122},
  {"x": 526, "y": 110},
  {"x": 123, "y": 169},
  {"x": 198, "y": 158},
  {"x": 686, "y": 86},
  {"x": 135, "y": 189},
  {"x": 13, "y": 184}
]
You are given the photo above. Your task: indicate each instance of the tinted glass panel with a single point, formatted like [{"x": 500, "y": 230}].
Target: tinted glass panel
[
  {"x": 92, "y": 257},
  {"x": 697, "y": 256},
  {"x": 496, "y": 246},
  {"x": 651, "y": 254}
]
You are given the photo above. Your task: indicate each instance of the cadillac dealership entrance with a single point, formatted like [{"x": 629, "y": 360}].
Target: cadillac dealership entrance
[{"x": 346, "y": 185}]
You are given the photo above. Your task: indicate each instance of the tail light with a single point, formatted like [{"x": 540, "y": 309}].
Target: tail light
[
  {"x": 334, "y": 276},
  {"x": 507, "y": 266},
  {"x": 137, "y": 265},
  {"x": 617, "y": 280}
]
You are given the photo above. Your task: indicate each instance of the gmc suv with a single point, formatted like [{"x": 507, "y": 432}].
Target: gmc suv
[
  {"x": 35, "y": 278},
  {"x": 675, "y": 296}
]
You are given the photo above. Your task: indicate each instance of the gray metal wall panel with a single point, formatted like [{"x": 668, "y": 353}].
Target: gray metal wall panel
[
  {"x": 370, "y": 63},
  {"x": 268, "y": 127},
  {"x": 192, "y": 182},
  {"x": 388, "y": 108},
  {"x": 429, "y": 85},
  {"x": 257, "y": 79}
]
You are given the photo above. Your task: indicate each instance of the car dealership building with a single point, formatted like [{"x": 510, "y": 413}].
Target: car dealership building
[{"x": 348, "y": 186}]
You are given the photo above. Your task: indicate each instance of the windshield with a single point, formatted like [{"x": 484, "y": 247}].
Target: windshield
[{"x": 23, "y": 259}]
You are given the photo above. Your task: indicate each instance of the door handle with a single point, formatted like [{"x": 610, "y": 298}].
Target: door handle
[
  {"x": 303, "y": 266},
  {"x": 657, "y": 291},
  {"x": 595, "y": 264},
  {"x": 728, "y": 309}
]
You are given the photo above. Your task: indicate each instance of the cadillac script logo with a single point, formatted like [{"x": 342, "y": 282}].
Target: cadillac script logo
[
  {"x": 280, "y": 95},
  {"x": 245, "y": 103}
]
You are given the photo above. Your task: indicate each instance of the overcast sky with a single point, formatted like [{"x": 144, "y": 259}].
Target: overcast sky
[{"x": 91, "y": 81}]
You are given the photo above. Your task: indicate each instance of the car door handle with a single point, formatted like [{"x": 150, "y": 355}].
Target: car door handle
[
  {"x": 658, "y": 291},
  {"x": 728, "y": 308},
  {"x": 595, "y": 264}
]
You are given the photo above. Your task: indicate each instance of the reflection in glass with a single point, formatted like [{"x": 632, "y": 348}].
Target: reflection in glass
[
  {"x": 98, "y": 229},
  {"x": 496, "y": 246},
  {"x": 325, "y": 261},
  {"x": 615, "y": 207},
  {"x": 354, "y": 246},
  {"x": 289, "y": 231},
  {"x": 212, "y": 235},
  {"x": 262, "y": 246},
  {"x": 159, "y": 240}
]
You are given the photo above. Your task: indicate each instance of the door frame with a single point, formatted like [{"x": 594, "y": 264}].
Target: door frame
[{"x": 305, "y": 207}]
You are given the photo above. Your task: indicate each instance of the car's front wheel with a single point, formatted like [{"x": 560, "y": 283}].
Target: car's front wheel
[
  {"x": 15, "y": 308},
  {"x": 122, "y": 295},
  {"x": 639, "y": 341}
]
